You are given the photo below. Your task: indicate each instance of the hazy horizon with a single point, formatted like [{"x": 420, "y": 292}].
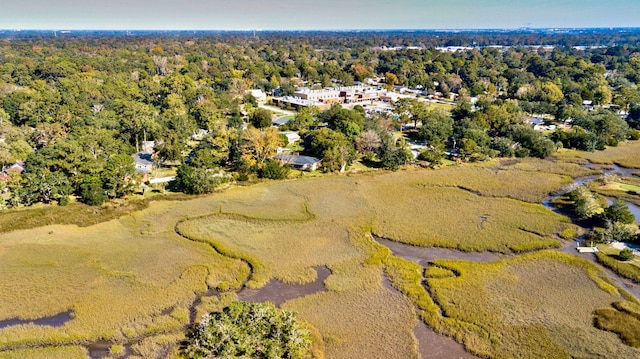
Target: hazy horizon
[{"x": 216, "y": 15}]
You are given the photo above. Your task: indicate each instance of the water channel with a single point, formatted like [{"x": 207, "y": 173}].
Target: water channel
[{"x": 57, "y": 320}]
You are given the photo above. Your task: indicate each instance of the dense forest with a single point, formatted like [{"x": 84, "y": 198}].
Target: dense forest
[{"x": 74, "y": 108}]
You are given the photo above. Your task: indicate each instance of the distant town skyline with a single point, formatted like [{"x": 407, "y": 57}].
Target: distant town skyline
[{"x": 315, "y": 15}]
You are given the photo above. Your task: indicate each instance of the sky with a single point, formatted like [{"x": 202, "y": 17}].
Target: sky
[{"x": 315, "y": 14}]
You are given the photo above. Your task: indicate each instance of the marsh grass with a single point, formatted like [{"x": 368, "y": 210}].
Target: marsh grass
[
  {"x": 491, "y": 180},
  {"x": 132, "y": 276},
  {"x": 284, "y": 250},
  {"x": 625, "y": 154},
  {"x": 359, "y": 313},
  {"x": 61, "y": 352},
  {"x": 506, "y": 309},
  {"x": 120, "y": 278},
  {"x": 624, "y": 269},
  {"x": 454, "y": 218},
  {"x": 623, "y": 319},
  {"x": 76, "y": 213},
  {"x": 572, "y": 170}
]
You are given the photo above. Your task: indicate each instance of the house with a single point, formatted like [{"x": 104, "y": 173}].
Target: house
[
  {"x": 588, "y": 105},
  {"x": 258, "y": 94},
  {"x": 8, "y": 172},
  {"x": 303, "y": 163},
  {"x": 292, "y": 137},
  {"x": 144, "y": 162},
  {"x": 280, "y": 121},
  {"x": 17, "y": 167}
]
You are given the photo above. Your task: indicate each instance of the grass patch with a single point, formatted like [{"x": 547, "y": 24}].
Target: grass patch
[
  {"x": 526, "y": 307},
  {"x": 624, "y": 269},
  {"x": 120, "y": 278},
  {"x": 625, "y": 154},
  {"x": 454, "y": 218},
  {"x": 572, "y": 170},
  {"x": 75, "y": 213},
  {"x": 623, "y": 319},
  {"x": 493, "y": 180},
  {"x": 360, "y": 313},
  {"x": 63, "y": 352}
]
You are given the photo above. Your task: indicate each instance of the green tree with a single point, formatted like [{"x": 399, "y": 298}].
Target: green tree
[
  {"x": 333, "y": 147},
  {"x": 274, "y": 170},
  {"x": 437, "y": 126},
  {"x": 192, "y": 180},
  {"x": 92, "y": 191},
  {"x": 118, "y": 176},
  {"x": 585, "y": 204},
  {"x": 249, "y": 330},
  {"x": 260, "y": 118},
  {"x": 170, "y": 147},
  {"x": 42, "y": 185},
  {"x": 618, "y": 211},
  {"x": 626, "y": 255}
]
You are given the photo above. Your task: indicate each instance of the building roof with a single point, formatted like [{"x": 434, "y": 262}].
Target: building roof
[
  {"x": 280, "y": 121},
  {"x": 144, "y": 162},
  {"x": 17, "y": 167},
  {"x": 297, "y": 160},
  {"x": 292, "y": 136}
]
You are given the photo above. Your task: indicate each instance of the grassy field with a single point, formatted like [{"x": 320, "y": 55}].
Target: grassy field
[
  {"x": 131, "y": 274},
  {"x": 608, "y": 257},
  {"x": 623, "y": 318},
  {"x": 537, "y": 305},
  {"x": 625, "y": 154},
  {"x": 65, "y": 352},
  {"x": 494, "y": 179},
  {"x": 123, "y": 279}
]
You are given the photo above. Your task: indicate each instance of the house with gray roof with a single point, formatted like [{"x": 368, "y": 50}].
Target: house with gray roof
[{"x": 303, "y": 163}]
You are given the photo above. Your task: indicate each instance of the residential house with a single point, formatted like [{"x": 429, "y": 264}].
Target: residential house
[
  {"x": 8, "y": 172},
  {"x": 144, "y": 162},
  {"x": 258, "y": 94},
  {"x": 292, "y": 137},
  {"x": 303, "y": 163},
  {"x": 280, "y": 121}
]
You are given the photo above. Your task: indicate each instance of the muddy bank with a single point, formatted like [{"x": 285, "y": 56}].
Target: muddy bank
[
  {"x": 278, "y": 292},
  {"x": 55, "y": 321},
  {"x": 432, "y": 345},
  {"x": 424, "y": 255}
]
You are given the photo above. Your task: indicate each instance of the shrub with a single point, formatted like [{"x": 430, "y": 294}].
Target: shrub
[
  {"x": 64, "y": 200},
  {"x": 255, "y": 330},
  {"x": 625, "y": 254},
  {"x": 193, "y": 180},
  {"x": 273, "y": 170}
]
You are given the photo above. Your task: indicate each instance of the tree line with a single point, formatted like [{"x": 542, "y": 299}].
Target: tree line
[{"x": 75, "y": 109}]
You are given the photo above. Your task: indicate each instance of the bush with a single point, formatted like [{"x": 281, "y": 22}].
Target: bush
[
  {"x": 274, "y": 170},
  {"x": 249, "y": 330},
  {"x": 625, "y": 254},
  {"x": 193, "y": 180},
  {"x": 64, "y": 201}
]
